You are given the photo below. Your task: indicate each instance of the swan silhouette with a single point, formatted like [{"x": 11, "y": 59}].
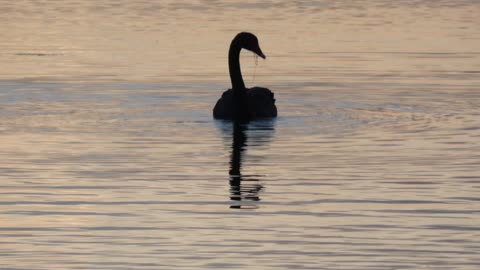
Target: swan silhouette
[{"x": 240, "y": 103}]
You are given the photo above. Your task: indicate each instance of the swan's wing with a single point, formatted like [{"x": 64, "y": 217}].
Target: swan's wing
[
  {"x": 261, "y": 102},
  {"x": 228, "y": 93},
  {"x": 223, "y": 107},
  {"x": 261, "y": 92}
]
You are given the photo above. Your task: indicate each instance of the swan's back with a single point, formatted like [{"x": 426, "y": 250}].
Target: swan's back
[{"x": 260, "y": 103}]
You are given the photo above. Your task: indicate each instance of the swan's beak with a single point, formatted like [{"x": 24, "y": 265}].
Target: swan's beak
[{"x": 259, "y": 52}]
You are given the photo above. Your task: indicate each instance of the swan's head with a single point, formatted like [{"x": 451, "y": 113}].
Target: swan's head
[{"x": 249, "y": 42}]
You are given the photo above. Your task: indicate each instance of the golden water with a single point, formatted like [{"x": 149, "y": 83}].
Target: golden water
[{"x": 111, "y": 159}]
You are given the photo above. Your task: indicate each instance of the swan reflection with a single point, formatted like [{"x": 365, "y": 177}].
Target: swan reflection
[{"x": 245, "y": 189}]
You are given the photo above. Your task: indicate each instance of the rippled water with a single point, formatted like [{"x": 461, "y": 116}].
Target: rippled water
[{"x": 111, "y": 158}]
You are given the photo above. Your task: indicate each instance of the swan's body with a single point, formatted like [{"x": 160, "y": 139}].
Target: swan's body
[
  {"x": 240, "y": 103},
  {"x": 258, "y": 102}
]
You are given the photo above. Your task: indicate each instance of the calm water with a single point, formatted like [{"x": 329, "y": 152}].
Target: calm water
[{"x": 111, "y": 159}]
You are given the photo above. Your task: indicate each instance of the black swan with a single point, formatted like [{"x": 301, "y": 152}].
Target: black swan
[{"x": 240, "y": 103}]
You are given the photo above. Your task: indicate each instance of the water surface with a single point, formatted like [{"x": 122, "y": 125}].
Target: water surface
[{"x": 111, "y": 158}]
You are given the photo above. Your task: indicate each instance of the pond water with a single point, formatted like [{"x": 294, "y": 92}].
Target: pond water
[{"x": 111, "y": 158}]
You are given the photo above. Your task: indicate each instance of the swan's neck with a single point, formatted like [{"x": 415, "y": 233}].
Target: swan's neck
[{"x": 234, "y": 67}]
